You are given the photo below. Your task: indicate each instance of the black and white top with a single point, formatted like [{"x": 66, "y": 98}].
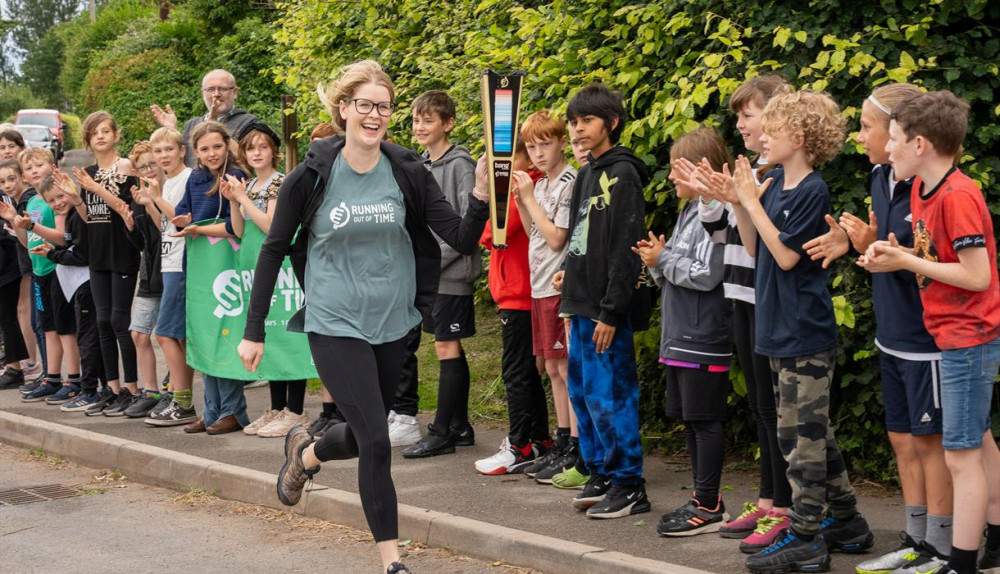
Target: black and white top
[{"x": 111, "y": 249}]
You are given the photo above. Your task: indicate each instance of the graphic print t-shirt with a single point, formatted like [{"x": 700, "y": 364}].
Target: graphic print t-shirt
[
  {"x": 360, "y": 269},
  {"x": 110, "y": 248},
  {"x": 553, "y": 196},
  {"x": 946, "y": 220},
  {"x": 172, "y": 254}
]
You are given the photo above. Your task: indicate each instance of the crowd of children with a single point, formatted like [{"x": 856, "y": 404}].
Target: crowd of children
[{"x": 98, "y": 270}]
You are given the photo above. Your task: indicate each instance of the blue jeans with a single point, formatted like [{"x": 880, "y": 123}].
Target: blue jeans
[
  {"x": 224, "y": 397},
  {"x": 967, "y": 380},
  {"x": 604, "y": 392}
]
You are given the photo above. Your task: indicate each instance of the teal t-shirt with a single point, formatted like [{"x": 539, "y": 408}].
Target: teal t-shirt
[
  {"x": 41, "y": 214},
  {"x": 360, "y": 270}
]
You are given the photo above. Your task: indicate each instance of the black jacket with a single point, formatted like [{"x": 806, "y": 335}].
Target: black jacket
[
  {"x": 75, "y": 253},
  {"x": 426, "y": 209},
  {"x": 146, "y": 236},
  {"x": 10, "y": 268},
  {"x": 607, "y": 217}
]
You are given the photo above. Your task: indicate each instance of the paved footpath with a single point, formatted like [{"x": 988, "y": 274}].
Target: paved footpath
[
  {"x": 449, "y": 484},
  {"x": 116, "y": 525}
]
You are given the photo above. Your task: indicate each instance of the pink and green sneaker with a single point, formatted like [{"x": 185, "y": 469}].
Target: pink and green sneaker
[
  {"x": 744, "y": 524},
  {"x": 769, "y": 528}
]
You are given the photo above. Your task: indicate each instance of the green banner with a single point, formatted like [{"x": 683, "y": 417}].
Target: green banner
[{"x": 220, "y": 275}]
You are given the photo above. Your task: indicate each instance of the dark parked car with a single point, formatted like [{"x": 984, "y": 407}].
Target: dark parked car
[{"x": 40, "y": 136}]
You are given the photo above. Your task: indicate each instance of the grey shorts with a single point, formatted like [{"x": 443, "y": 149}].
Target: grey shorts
[{"x": 145, "y": 311}]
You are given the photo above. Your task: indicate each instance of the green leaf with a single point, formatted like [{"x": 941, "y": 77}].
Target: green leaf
[
  {"x": 781, "y": 36},
  {"x": 801, "y": 36}
]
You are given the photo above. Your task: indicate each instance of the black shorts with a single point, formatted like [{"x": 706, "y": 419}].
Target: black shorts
[
  {"x": 453, "y": 318},
  {"x": 55, "y": 312},
  {"x": 696, "y": 394},
  {"x": 911, "y": 393}
]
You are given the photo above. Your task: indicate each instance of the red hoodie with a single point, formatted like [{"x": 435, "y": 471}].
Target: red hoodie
[{"x": 510, "y": 276}]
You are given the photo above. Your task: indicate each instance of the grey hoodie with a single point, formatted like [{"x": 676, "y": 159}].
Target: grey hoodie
[{"x": 455, "y": 172}]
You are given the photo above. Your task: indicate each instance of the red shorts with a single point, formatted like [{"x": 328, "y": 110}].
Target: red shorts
[{"x": 548, "y": 330}]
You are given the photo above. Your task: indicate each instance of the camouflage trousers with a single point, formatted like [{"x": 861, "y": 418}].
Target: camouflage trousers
[{"x": 816, "y": 469}]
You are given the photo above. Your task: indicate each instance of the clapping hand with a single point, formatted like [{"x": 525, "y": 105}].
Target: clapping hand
[
  {"x": 830, "y": 246},
  {"x": 649, "y": 250},
  {"x": 747, "y": 190},
  {"x": 42, "y": 249}
]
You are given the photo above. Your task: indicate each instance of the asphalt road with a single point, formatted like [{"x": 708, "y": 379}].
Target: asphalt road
[{"x": 122, "y": 526}]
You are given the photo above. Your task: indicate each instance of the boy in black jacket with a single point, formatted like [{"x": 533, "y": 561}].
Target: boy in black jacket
[
  {"x": 601, "y": 272},
  {"x": 59, "y": 194}
]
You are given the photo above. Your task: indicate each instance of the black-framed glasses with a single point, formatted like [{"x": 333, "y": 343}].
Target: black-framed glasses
[{"x": 364, "y": 106}]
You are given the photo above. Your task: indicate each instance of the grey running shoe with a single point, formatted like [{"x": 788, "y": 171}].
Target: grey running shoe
[
  {"x": 791, "y": 553},
  {"x": 293, "y": 475},
  {"x": 908, "y": 552},
  {"x": 173, "y": 415}
]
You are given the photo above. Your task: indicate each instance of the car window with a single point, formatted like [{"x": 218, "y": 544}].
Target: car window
[
  {"x": 48, "y": 120},
  {"x": 35, "y": 133}
]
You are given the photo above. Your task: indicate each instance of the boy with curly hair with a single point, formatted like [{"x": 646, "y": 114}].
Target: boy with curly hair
[{"x": 796, "y": 328}]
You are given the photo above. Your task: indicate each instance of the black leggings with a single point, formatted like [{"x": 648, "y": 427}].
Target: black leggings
[
  {"x": 527, "y": 406},
  {"x": 13, "y": 341},
  {"x": 764, "y": 406},
  {"x": 290, "y": 394},
  {"x": 707, "y": 449},
  {"x": 113, "y": 294},
  {"x": 363, "y": 378}
]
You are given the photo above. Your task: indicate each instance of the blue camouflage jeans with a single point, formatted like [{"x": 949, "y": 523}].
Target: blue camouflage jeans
[{"x": 604, "y": 393}]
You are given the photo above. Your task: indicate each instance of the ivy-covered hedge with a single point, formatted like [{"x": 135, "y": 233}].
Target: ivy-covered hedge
[
  {"x": 676, "y": 62},
  {"x": 129, "y": 59}
]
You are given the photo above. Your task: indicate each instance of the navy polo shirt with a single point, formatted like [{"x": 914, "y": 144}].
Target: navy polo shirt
[{"x": 794, "y": 311}]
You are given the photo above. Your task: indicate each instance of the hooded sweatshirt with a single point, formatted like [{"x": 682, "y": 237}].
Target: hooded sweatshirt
[
  {"x": 696, "y": 316},
  {"x": 607, "y": 218},
  {"x": 455, "y": 173}
]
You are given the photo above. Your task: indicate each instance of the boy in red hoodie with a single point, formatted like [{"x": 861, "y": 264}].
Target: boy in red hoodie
[{"x": 510, "y": 286}]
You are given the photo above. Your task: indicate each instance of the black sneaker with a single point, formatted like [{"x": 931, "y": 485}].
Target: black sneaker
[
  {"x": 122, "y": 402},
  {"x": 105, "y": 398},
  {"x": 565, "y": 461},
  {"x": 46, "y": 389},
  {"x": 990, "y": 559},
  {"x": 692, "y": 519},
  {"x": 11, "y": 379},
  {"x": 852, "y": 536},
  {"x": 432, "y": 444},
  {"x": 790, "y": 553},
  {"x": 164, "y": 402},
  {"x": 173, "y": 415},
  {"x": 597, "y": 486},
  {"x": 541, "y": 463},
  {"x": 397, "y": 568},
  {"x": 144, "y": 402},
  {"x": 621, "y": 501},
  {"x": 319, "y": 425},
  {"x": 463, "y": 437}
]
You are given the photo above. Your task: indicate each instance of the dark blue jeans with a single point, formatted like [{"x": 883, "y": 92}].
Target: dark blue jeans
[{"x": 604, "y": 392}]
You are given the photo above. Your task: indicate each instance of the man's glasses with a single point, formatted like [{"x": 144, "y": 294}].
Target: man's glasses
[
  {"x": 218, "y": 90},
  {"x": 364, "y": 106}
]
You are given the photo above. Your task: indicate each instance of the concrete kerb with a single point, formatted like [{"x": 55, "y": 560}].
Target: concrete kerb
[{"x": 171, "y": 469}]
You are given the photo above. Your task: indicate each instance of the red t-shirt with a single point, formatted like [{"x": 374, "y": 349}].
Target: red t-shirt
[{"x": 947, "y": 219}]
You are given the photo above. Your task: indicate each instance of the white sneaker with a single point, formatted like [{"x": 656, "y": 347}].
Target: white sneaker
[
  {"x": 280, "y": 426},
  {"x": 31, "y": 370},
  {"x": 391, "y": 417},
  {"x": 508, "y": 460},
  {"x": 265, "y": 419},
  {"x": 404, "y": 430}
]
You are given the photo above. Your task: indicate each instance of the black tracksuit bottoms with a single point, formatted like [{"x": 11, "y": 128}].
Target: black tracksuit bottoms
[
  {"x": 527, "y": 406},
  {"x": 363, "y": 378}
]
